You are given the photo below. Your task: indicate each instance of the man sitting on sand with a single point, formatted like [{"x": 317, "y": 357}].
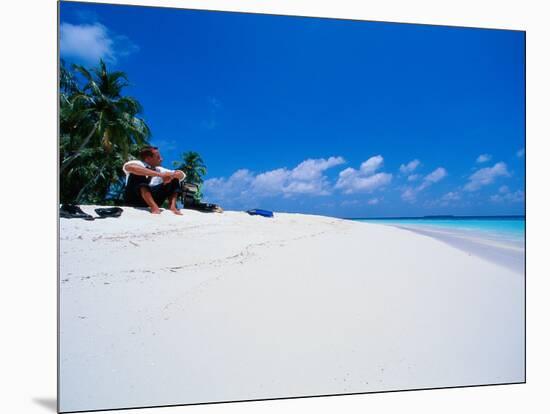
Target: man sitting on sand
[{"x": 149, "y": 185}]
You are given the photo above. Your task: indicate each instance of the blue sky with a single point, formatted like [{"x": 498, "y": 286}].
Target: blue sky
[{"x": 343, "y": 118}]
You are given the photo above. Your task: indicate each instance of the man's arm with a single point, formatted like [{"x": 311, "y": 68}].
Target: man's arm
[
  {"x": 139, "y": 170},
  {"x": 180, "y": 175},
  {"x": 170, "y": 175}
]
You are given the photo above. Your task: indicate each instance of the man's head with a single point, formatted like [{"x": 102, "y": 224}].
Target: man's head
[{"x": 151, "y": 156}]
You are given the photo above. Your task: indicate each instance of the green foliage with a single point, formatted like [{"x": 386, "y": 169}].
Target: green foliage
[
  {"x": 96, "y": 178},
  {"x": 99, "y": 131},
  {"x": 193, "y": 166}
]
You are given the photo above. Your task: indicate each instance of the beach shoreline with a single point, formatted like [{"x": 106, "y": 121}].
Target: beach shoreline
[
  {"x": 222, "y": 307},
  {"x": 508, "y": 255},
  {"x": 489, "y": 238}
]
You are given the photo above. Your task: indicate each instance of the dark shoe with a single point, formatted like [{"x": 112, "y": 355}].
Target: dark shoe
[
  {"x": 109, "y": 212},
  {"x": 71, "y": 211}
]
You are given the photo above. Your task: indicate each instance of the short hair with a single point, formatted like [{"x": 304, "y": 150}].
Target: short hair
[{"x": 147, "y": 152}]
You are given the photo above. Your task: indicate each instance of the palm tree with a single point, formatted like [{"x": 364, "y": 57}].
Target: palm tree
[
  {"x": 100, "y": 116},
  {"x": 99, "y": 129},
  {"x": 68, "y": 85},
  {"x": 194, "y": 168}
]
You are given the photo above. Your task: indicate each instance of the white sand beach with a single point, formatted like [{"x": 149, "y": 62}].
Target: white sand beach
[{"x": 160, "y": 310}]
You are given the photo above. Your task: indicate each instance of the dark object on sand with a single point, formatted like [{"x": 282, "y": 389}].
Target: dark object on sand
[
  {"x": 71, "y": 211},
  {"x": 189, "y": 192},
  {"x": 205, "y": 207},
  {"x": 108, "y": 212},
  {"x": 259, "y": 212}
]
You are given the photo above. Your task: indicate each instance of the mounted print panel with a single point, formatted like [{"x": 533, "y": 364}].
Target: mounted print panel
[{"x": 259, "y": 206}]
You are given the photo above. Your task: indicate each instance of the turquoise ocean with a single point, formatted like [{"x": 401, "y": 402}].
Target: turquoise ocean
[{"x": 497, "y": 228}]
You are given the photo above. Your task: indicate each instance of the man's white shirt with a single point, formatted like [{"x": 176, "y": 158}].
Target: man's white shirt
[{"x": 154, "y": 180}]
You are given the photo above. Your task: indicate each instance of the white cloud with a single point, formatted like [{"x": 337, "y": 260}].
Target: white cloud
[
  {"x": 352, "y": 181},
  {"x": 520, "y": 153},
  {"x": 451, "y": 196},
  {"x": 312, "y": 169},
  {"x": 503, "y": 189},
  {"x": 409, "y": 167},
  {"x": 486, "y": 176},
  {"x": 483, "y": 158},
  {"x": 306, "y": 187},
  {"x": 515, "y": 197},
  {"x": 413, "y": 177},
  {"x": 270, "y": 182},
  {"x": 90, "y": 42},
  {"x": 446, "y": 199},
  {"x": 410, "y": 193},
  {"x": 372, "y": 164},
  {"x": 235, "y": 187},
  {"x": 435, "y": 176},
  {"x": 373, "y": 201},
  {"x": 306, "y": 178}
]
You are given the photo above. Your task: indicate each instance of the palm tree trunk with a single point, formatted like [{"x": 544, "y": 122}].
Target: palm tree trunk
[{"x": 70, "y": 159}]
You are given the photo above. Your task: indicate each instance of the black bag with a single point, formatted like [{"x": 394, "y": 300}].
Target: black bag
[{"x": 189, "y": 193}]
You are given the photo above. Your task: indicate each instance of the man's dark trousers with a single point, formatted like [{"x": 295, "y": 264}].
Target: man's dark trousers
[{"x": 160, "y": 192}]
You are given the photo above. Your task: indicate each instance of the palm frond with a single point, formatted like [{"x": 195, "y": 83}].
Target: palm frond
[{"x": 100, "y": 131}]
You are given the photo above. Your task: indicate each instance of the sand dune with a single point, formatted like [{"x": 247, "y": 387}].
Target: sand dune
[{"x": 159, "y": 310}]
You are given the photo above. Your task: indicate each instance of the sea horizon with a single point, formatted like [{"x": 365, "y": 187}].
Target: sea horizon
[{"x": 441, "y": 217}]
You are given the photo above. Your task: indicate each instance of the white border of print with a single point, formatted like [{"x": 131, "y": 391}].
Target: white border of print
[{"x": 28, "y": 303}]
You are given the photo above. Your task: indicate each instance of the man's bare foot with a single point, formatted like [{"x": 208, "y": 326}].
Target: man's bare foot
[
  {"x": 176, "y": 211},
  {"x": 155, "y": 210}
]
